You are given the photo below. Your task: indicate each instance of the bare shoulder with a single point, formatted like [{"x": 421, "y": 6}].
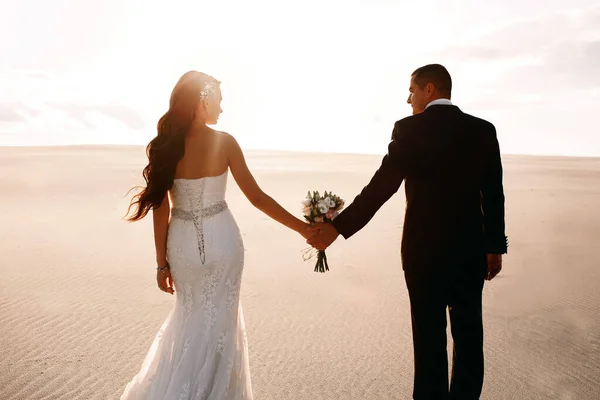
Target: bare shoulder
[
  {"x": 226, "y": 138},
  {"x": 229, "y": 144}
]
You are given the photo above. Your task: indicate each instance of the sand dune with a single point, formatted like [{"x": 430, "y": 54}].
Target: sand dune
[{"x": 79, "y": 307}]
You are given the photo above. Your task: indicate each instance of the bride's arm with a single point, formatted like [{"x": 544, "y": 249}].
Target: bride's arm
[
  {"x": 253, "y": 192},
  {"x": 160, "y": 217}
]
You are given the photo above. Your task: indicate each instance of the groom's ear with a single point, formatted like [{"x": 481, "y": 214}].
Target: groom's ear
[{"x": 429, "y": 88}]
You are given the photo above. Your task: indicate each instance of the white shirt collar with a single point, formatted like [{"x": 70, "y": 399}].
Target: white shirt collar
[{"x": 444, "y": 102}]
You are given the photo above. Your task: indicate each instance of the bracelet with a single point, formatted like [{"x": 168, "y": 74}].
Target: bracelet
[{"x": 163, "y": 269}]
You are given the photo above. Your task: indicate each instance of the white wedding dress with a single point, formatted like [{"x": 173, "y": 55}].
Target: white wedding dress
[{"x": 200, "y": 352}]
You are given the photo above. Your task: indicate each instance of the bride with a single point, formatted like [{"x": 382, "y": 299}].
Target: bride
[{"x": 200, "y": 352}]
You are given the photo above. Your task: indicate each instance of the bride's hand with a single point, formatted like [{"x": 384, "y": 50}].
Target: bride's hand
[
  {"x": 165, "y": 281},
  {"x": 305, "y": 231}
]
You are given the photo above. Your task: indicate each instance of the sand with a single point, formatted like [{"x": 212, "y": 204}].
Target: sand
[{"x": 79, "y": 306}]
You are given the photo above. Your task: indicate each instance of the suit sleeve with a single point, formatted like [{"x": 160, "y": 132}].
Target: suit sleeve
[
  {"x": 383, "y": 185},
  {"x": 492, "y": 201}
]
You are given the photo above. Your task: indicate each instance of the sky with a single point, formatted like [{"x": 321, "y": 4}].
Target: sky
[{"x": 311, "y": 75}]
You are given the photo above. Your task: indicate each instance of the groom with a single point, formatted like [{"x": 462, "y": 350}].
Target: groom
[{"x": 453, "y": 236}]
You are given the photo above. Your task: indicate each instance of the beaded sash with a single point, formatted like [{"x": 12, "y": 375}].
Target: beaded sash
[{"x": 196, "y": 216}]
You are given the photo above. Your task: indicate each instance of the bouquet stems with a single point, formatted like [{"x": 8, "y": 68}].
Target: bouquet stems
[{"x": 322, "y": 264}]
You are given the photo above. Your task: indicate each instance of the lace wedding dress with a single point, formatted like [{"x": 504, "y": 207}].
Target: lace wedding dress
[{"x": 200, "y": 352}]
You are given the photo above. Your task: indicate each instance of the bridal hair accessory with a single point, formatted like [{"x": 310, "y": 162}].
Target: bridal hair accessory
[{"x": 210, "y": 88}]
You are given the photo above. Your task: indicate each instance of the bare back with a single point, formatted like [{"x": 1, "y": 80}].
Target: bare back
[
  {"x": 205, "y": 155},
  {"x": 210, "y": 153}
]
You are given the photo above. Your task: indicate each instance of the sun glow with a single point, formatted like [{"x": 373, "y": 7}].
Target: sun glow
[{"x": 319, "y": 76}]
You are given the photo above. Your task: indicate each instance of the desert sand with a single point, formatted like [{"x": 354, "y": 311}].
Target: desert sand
[{"x": 79, "y": 306}]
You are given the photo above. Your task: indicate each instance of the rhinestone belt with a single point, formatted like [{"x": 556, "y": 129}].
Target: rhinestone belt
[
  {"x": 206, "y": 212},
  {"x": 196, "y": 216}
]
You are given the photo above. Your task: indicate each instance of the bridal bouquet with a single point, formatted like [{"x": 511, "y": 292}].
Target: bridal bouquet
[{"x": 317, "y": 208}]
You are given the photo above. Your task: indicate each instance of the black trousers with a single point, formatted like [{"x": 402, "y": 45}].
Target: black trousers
[{"x": 457, "y": 287}]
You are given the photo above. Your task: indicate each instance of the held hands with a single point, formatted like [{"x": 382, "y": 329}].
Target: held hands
[
  {"x": 494, "y": 266},
  {"x": 305, "y": 231},
  {"x": 321, "y": 235}
]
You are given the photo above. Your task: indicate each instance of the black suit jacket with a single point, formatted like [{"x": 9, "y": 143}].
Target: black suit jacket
[{"x": 454, "y": 194}]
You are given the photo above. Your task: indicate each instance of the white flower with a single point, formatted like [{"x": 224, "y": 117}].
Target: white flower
[
  {"x": 329, "y": 201},
  {"x": 306, "y": 202},
  {"x": 306, "y": 211},
  {"x": 323, "y": 207}
]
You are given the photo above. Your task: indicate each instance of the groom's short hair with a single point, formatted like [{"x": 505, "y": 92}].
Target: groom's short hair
[{"x": 436, "y": 74}]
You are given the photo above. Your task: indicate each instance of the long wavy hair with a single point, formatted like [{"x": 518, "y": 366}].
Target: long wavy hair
[{"x": 168, "y": 147}]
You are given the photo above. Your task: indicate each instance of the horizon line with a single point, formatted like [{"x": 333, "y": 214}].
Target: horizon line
[{"x": 100, "y": 145}]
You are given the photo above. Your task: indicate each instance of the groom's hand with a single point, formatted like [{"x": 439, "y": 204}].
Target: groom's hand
[
  {"x": 494, "y": 266},
  {"x": 323, "y": 236}
]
